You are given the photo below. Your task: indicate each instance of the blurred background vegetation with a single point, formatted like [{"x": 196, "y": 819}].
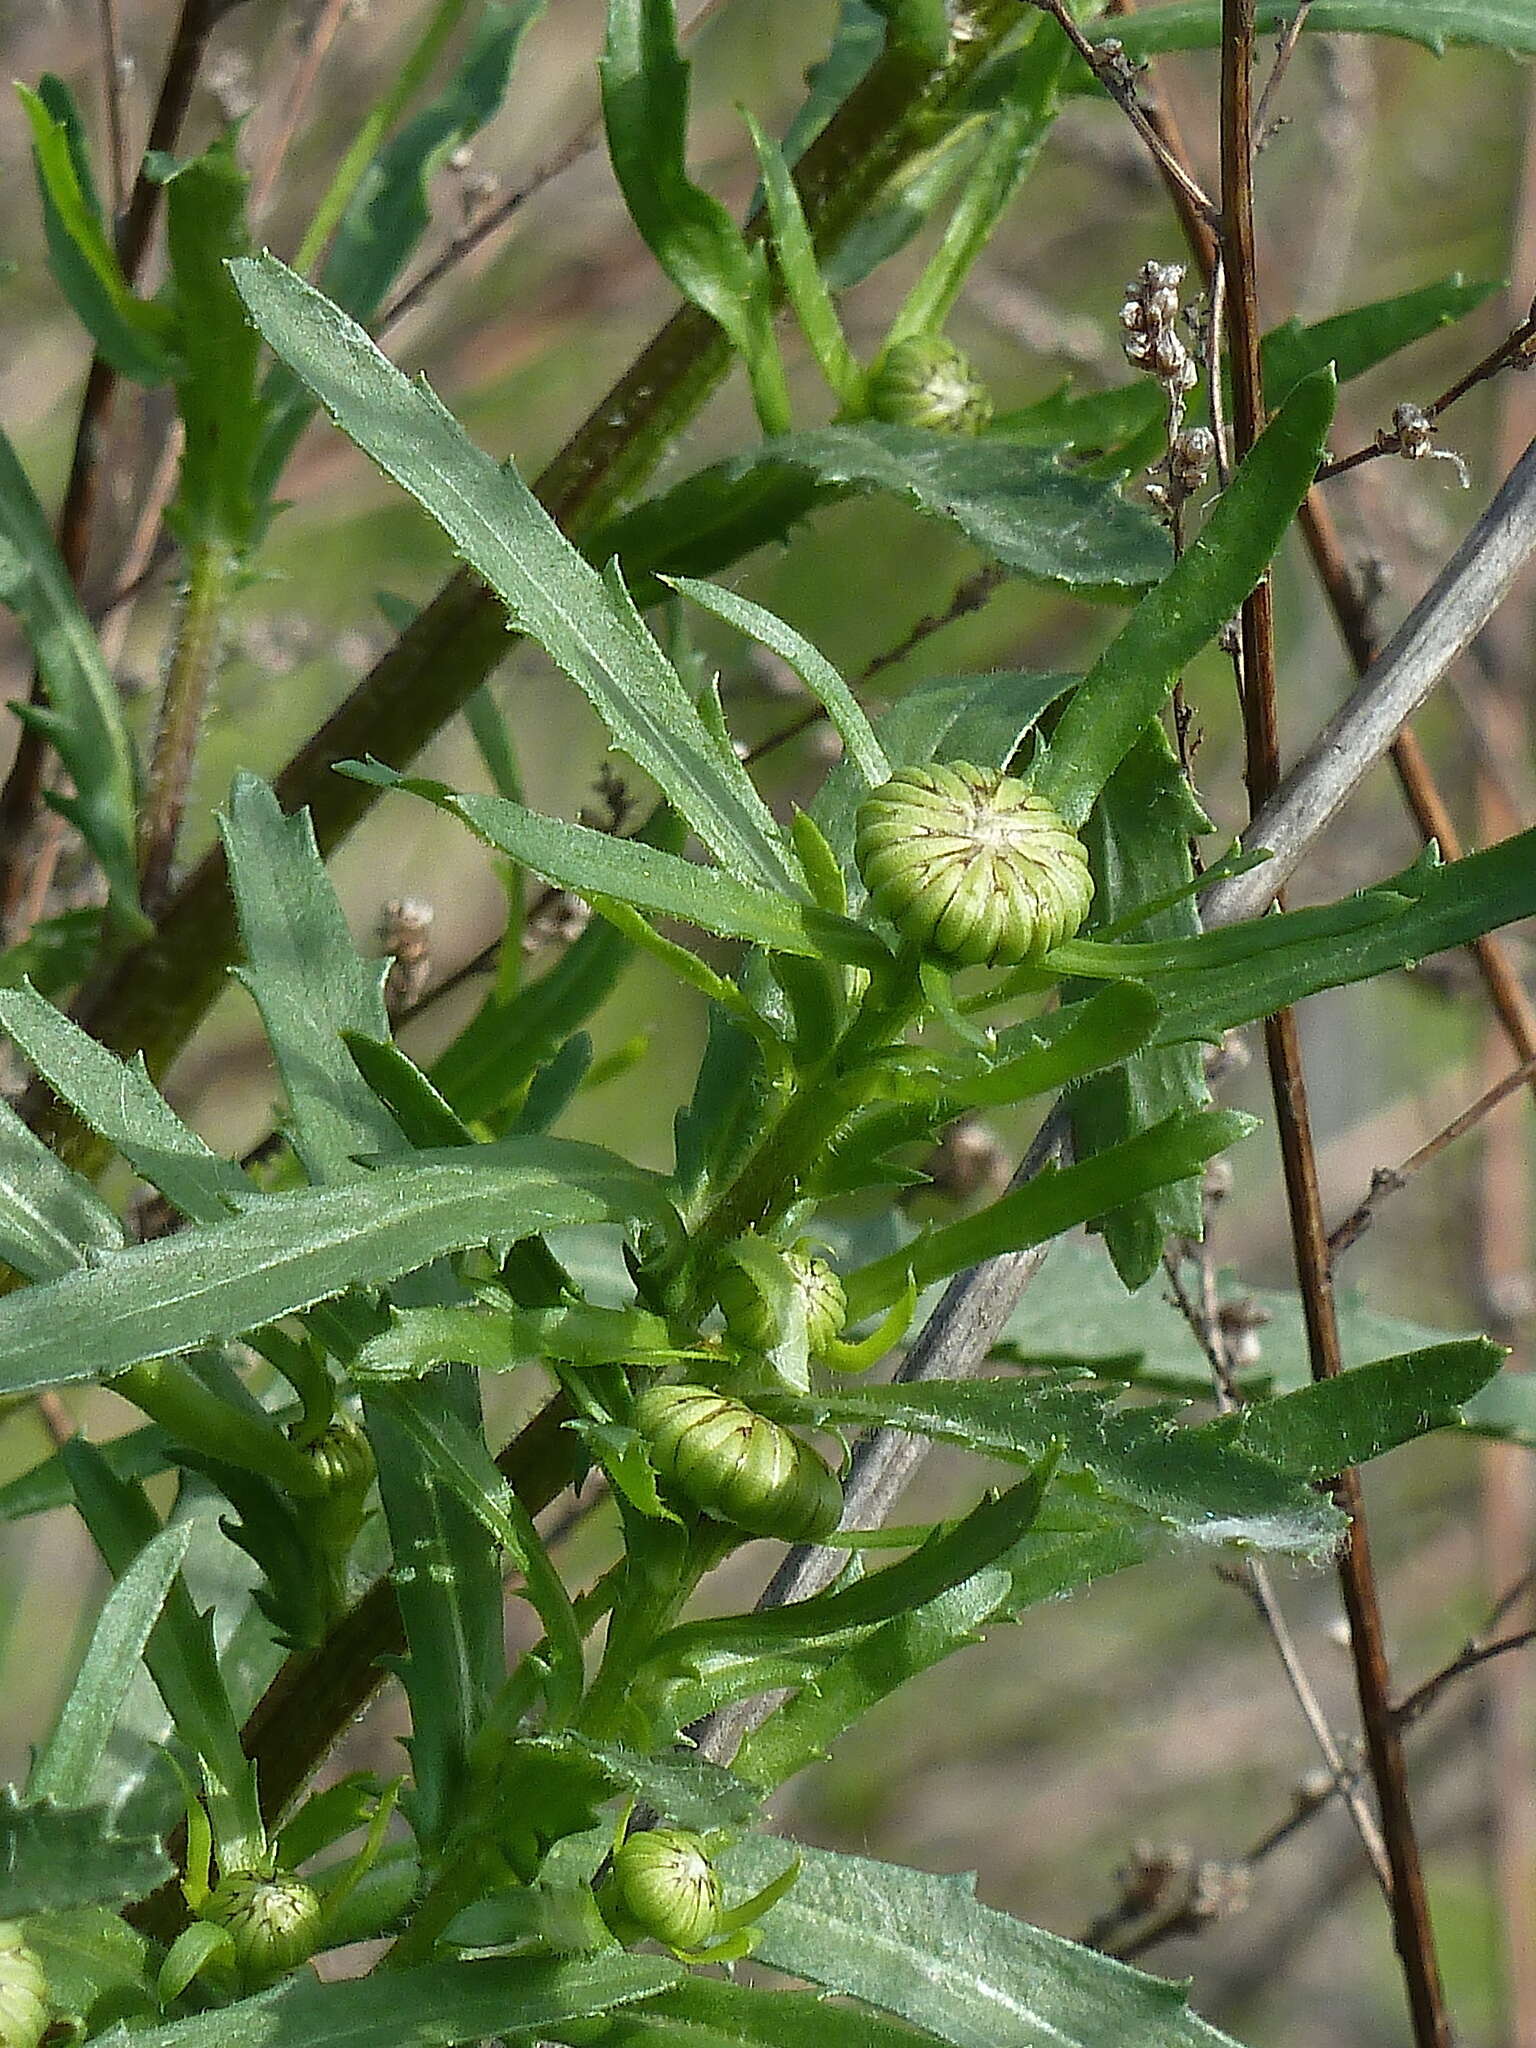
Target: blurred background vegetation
[{"x": 1151, "y": 1711}]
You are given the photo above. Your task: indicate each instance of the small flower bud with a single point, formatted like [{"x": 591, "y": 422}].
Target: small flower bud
[
  {"x": 342, "y": 1457},
  {"x": 725, "y": 1459},
  {"x": 25, "y": 2005},
  {"x": 274, "y": 1922},
  {"x": 666, "y": 1886},
  {"x": 749, "y": 1315},
  {"x": 972, "y": 865},
  {"x": 925, "y": 381}
]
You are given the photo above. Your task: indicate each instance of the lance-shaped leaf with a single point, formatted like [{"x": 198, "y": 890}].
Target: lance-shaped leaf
[
  {"x": 56, "y": 1858},
  {"x": 118, "y": 1099},
  {"x": 1128, "y": 685},
  {"x": 923, "y": 1948},
  {"x": 284, "y": 1252},
  {"x": 51, "y": 1221},
  {"x": 1357, "y": 340},
  {"x": 1207, "y": 1489},
  {"x": 83, "y": 719},
  {"x": 1049, "y": 1204},
  {"x": 434, "y": 2005},
  {"x": 584, "y": 622},
  {"x": 592, "y": 863},
  {"x": 1196, "y": 24},
  {"x": 705, "y": 2012},
  {"x": 1018, "y": 506}
]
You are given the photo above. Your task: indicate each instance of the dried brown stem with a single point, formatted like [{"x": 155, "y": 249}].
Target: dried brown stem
[
  {"x": 112, "y": 96},
  {"x": 317, "y": 46},
  {"x": 1413, "y": 1933},
  {"x": 1387, "y": 1180},
  {"x": 1517, "y": 351},
  {"x": 1285, "y": 50}
]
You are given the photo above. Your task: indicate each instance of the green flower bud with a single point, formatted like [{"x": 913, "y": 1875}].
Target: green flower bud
[
  {"x": 273, "y": 1921},
  {"x": 667, "y": 1887},
  {"x": 972, "y": 865},
  {"x": 342, "y": 1457},
  {"x": 925, "y": 381},
  {"x": 25, "y": 2005},
  {"x": 734, "y": 1464},
  {"x": 749, "y": 1315}
]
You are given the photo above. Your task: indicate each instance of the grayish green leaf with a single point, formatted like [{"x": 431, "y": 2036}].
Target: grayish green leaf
[
  {"x": 51, "y": 1221},
  {"x": 56, "y": 1858},
  {"x": 1196, "y": 24}
]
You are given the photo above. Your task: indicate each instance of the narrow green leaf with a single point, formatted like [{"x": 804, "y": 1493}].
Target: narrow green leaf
[
  {"x": 51, "y": 1221},
  {"x": 1201, "y": 1485},
  {"x": 390, "y": 210},
  {"x": 1051, "y": 1203},
  {"x": 1072, "y": 1043},
  {"x": 287, "y": 1251},
  {"x": 425, "y": 1116},
  {"x": 118, "y": 1100},
  {"x": 64, "y": 1772},
  {"x": 307, "y": 980},
  {"x": 138, "y": 1454},
  {"x": 800, "y": 268},
  {"x": 1138, "y": 838},
  {"x": 1017, "y": 506},
  {"x": 129, "y": 334},
  {"x": 1356, "y": 341},
  {"x": 56, "y": 1858},
  {"x": 552, "y": 594},
  {"x": 1128, "y": 685},
  {"x": 432, "y": 2006},
  {"x": 1196, "y": 24},
  {"x": 683, "y": 1787},
  {"x": 923, "y": 1948},
  {"x": 592, "y": 863},
  {"x": 56, "y": 954},
  {"x": 809, "y": 664},
  {"x": 1320, "y": 1430},
  {"x": 692, "y": 237},
  {"x": 83, "y": 721},
  {"x": 180, "y": 1652}
]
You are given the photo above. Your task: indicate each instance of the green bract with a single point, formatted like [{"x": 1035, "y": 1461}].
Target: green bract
[
  {"x": 274, "y": 1922},
  {"x": 972, "y": 865},
  {"x": 25, "y": 2006},
  {"x": 667, "y": 1886},
  {"x": 749, "y": 1314},
  {"x": 925, "y": 381},
  {"x": 737, "y": 1465}
]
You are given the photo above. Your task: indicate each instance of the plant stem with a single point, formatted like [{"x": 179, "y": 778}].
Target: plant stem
[
  {"x": 1412, "y": 1930},
  {"x": 170, "y": 1393},
  {"x": 194, "y": 664}
]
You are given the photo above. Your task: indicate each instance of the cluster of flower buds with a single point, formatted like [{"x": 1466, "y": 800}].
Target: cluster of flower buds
[{"x": 1149, "y": 328}]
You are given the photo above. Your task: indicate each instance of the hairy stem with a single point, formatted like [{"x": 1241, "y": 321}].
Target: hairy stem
[{"x": 194, "y": 664}]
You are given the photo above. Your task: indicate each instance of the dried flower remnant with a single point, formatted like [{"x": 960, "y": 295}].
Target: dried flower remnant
[{"x": 1413, "y": 438}]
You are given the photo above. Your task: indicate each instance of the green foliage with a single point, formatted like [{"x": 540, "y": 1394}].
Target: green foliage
[{"x": 308, "y": 1330}]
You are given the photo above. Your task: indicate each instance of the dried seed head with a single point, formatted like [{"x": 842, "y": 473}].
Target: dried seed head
[
  {"x": 1149, "y": 322},
  {"x": 971, "y": 864}
]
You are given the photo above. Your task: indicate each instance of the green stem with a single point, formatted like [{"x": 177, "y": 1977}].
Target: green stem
[
  {"x": 644, "y": 1609},
  {"x": 194, "y": 663},
  {"x": 407, "y": 82},
  {"x": 170, "y": 1392}
]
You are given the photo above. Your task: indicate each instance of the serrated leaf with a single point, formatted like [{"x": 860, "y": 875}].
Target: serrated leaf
[
  {"x": 93, "y": 1960},
  {"x": 67, "y": 1766},
  {"x": 1051, "y": 1203},
  {"x": 684, "y": 1788},
  {"x": 1128, "y": 685},
  {"x": 434, "y": 2005},
  {"x": 1203, "y": 1486},
  {"x": 56, "y": 1858},
  {"x": 592, "y": 863},
  {"x": 117, "y": 1099},
  {"x": 287, "y": 1251},
  {"x": 83, "y": 721},
  {"x": 924, "y": 1948},
  {"x": 583, "y": 622},
  {"x": 1019, "y": 507},
  {"x": 1196, "y": 24},
  {"x": 307, "y": 980}
]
